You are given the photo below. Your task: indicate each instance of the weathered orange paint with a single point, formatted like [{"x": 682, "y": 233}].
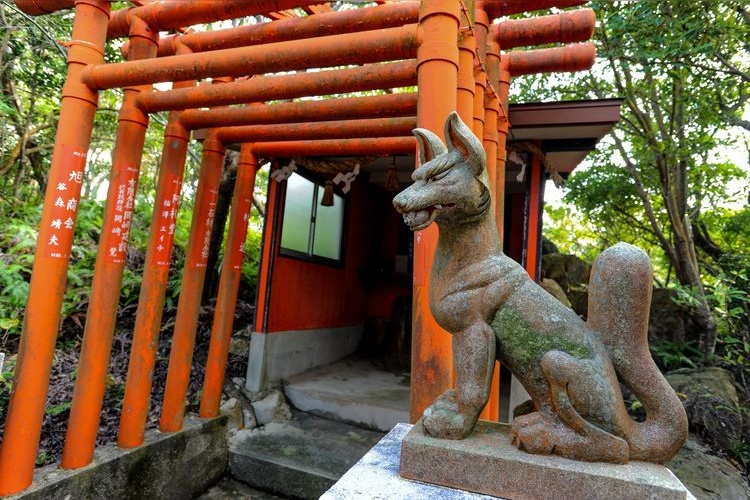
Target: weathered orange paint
[
  {"x": 534, "y": 218},
  {"x": 575, "y": 57},
  {"x": 438, "y": 63},
  {"x": 499, "y": 8},
  {"x": 491, "y": 111},
  {"x": 465, "y": 82},
  {"x": 191, "y": 288},
  {"x": 341, "y": 147},
  {"x": 83, "y": 424},
  {"x": 31, "y": 377},
  {"x": 481, "y": 28},
  {"x": 297, "y": 28},
  {"x": 355, "y": 48},
  {"x": 491, "y": 115},
  {"x": 480, "y": 88},
  {"x": 566, "y": 27},
  {"x": 490, "y": 141},
  {"x": 379, "y": 106},
  {"x": 164, "y": 16},
  {"x": 267, "y": 257},
  {"x": 39, "y": 7},
  {"x": 229, "y": 283},
  {"x": 266, "y": 88},
  {"x": 153, "y": 287},
  {"x": 343, "y": 129},
  {"x": 503, "y": 125}
]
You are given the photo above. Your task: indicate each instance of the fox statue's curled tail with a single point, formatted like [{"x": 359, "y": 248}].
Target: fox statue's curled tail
[
  {"x": 570, "y": 368},
  {"x": 619, "y": 299}
]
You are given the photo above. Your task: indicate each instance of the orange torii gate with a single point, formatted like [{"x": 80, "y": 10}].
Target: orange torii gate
[{"x": 450, "y": 52}]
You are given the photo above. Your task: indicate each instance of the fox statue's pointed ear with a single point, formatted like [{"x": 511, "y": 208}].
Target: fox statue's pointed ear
[
  {"x": 459, "y": 137},
  {"x": 429, "y": 143}
]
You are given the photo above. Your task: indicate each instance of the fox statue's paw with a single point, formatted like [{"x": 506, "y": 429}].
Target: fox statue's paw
[
  {"x": 543, "y": 434},
  {"x": 443, "y": 419},
  {"x": 534, "y": 432}
]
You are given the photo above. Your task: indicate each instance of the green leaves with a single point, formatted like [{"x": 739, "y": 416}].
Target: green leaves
[{"x": 9, "y": 323}]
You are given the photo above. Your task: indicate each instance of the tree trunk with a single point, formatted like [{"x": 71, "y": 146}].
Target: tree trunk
[
  {"x": 224, "y": 201},
  {"x": 688, "y": 274}
]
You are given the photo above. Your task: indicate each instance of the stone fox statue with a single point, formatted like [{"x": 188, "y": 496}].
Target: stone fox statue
[{"x": 571, "y": 368}]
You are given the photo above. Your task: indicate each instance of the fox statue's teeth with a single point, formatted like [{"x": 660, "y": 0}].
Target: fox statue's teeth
[
  {"x": 420, "y": 219},
  {"x": 439, "y": 207}
]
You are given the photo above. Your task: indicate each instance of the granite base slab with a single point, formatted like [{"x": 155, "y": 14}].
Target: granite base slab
[
  {"x": 488, "y": 464},
  {"x": 375, "y": 476}
]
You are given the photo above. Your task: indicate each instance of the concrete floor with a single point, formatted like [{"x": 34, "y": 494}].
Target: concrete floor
[{"x": 353, "y": 390}]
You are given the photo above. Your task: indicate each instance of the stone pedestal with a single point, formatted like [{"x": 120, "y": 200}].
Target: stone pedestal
[{"x": 487, "y": 463}]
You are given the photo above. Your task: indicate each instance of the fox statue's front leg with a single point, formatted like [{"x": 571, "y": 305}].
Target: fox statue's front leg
[{"x": 454, "y": 414}]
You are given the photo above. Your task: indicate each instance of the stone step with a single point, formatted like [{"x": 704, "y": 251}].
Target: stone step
[
  {"x": 301, "y": 458},
  {"x": 352, "y": 391}
]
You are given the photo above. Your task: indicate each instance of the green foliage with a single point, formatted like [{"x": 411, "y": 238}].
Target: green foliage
[
  {"x": 730, "y": 302},
  {"x": 670, "y": 176},
  {"x": 742, "y": 452},
  {"x": 6, "y": 384},
  {"x": 17, "y": 243},
  {"x": 673, "y": 355},
  {"x": 250, "y": 266},
  {"x": 55, "y": 410}
]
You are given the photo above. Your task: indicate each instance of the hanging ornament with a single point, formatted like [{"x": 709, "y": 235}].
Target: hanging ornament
[
  {"x": 327, "y": 200},
  {"x": 347, "y": 178},
  {"x": 391, "y": 182},
  {"x": 284, "y": 173}
]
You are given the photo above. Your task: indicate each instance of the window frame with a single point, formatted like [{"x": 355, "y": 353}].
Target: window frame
[{"x": 319, "y": 184}]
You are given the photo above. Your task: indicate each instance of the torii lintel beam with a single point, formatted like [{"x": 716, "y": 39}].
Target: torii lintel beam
[
  {"x": 380, "y": 106},
  {"x": 338, "y": 50},
  {"x": 265, "y": 88},
  {"x": 296, "y": 28},
  {"x": 340, "y": 129}
]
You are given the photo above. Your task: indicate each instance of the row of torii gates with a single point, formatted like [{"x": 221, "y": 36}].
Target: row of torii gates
[{"x": 449, "y": 49}]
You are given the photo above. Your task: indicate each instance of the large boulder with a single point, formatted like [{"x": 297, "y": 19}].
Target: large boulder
[
  {"x": 555, "y": 290},
  {"x": 572, "y": 276},
  {"x": 712, "y": 404},
  {"x": 567, "y": 270},
  {"x": 548, "y": 246},
  {"x": 707, "y": 476},
  {"x": 668, "y": 321}
]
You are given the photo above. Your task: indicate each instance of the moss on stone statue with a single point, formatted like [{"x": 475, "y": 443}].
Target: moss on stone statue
[{"x": 522, "y": 343}]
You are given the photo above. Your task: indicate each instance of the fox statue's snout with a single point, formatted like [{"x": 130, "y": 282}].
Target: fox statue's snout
[
  {"x": 415, "y": 217},
  {"x": 448, "y": 179}
]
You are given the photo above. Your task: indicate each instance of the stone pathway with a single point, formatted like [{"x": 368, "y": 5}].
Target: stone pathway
[{"x": 228, "y": 488}]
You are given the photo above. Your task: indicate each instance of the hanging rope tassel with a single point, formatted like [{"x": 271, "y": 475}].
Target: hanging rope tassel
[
  {"x": 327, "y": 200},
  {"x": 391, "y": 182}
]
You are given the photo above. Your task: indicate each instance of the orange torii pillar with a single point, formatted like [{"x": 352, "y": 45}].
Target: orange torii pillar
[
  {"x": 83, "y": 424},
  {"x": 437, "y": 59},
  {"x": 191, "y": 287},
  {"x": 229, "y": 284},
  {"x": 153, "y": 286},
  {"x": 485, "y": 128},
  {"x": 465, "y": 81},
  {"x": 31, "y": 377}
]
